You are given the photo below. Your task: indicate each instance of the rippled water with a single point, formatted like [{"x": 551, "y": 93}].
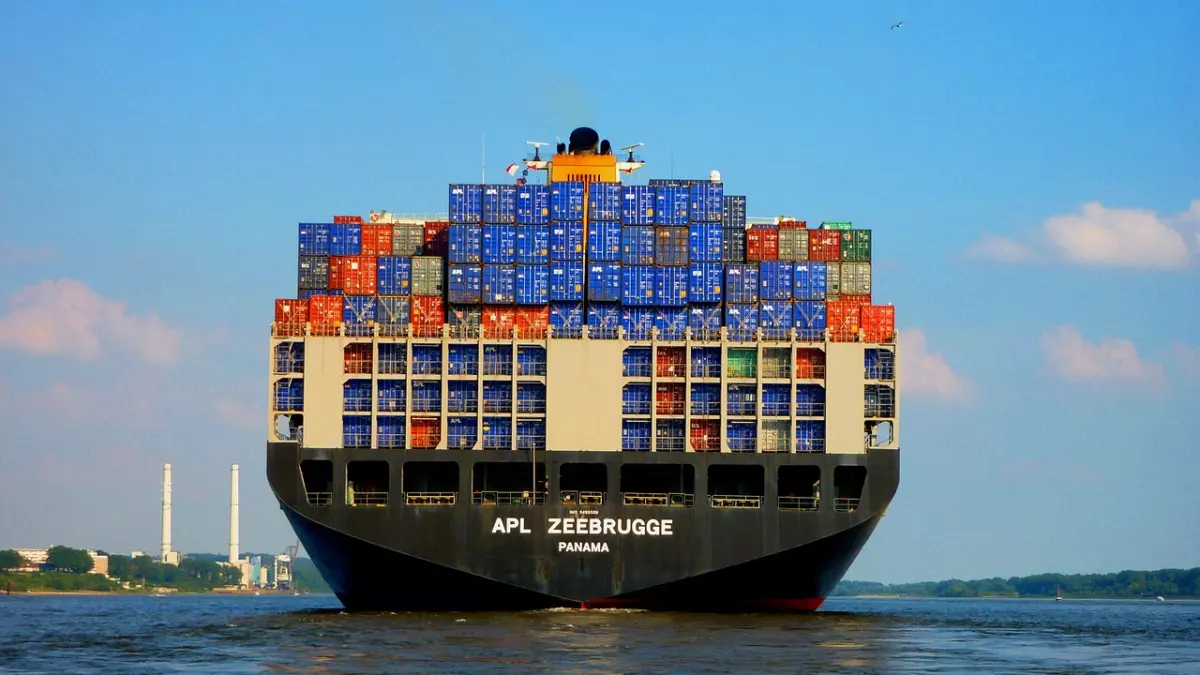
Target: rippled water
[{"x": 310, "y": 634}]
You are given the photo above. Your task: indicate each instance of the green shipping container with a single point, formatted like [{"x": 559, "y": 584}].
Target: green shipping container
[
  {"x": 428, "y": 275},
  {"x": 833, "y": 280},
  {"x": 855, "y": 279},
  {"x": 837, "y": 225},
  {"x": 856, "y": 246},
  {"x": 793, "y": 245},
  {"x": 742, "y": 363}
]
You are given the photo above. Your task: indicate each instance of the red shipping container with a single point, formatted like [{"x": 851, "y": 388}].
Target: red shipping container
[
  {"x": 377, "y": 240},
  {"x": 325, "y": 313},
  {"x": 359, "y": 275},
  {"x": 825, "y": 245},
  {"x": 789, "y": 224},
  {"x": 428, "y": 314},
  {"x": 878, "y": 322},
  {"x": 356, "y": 358},
  {"x": 810, "y": 363},
  {"x": 498, "y": 322},
  {"x": 532, "y": 322},
  {"x": 706, "y": 435},
  {"x": 437, "y": 237},
  {"x": 290, "y": 317},
  {"x": 762, "y": 243},
  {"x": 670, "y": 399},
  {"x": 856, "y": 299},
  {"x": 347, "y": 220},
  {"x": 336, "y": 277},
  {"x": 671, "y": 362},
  {"x": 426, "y": 433},
  {"x": 842, "y": 319}
]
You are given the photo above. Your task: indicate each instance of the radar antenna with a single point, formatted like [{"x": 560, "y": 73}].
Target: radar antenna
[
  {"x": 630, "y": 164},
  {"x": 537, "y": 163}
]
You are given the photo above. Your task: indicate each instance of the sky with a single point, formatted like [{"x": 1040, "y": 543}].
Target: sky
[{"x": 1031, "y": 172}]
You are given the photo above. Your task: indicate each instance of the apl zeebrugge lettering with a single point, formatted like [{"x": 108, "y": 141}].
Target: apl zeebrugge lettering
[{"x": 653, "y": 527}]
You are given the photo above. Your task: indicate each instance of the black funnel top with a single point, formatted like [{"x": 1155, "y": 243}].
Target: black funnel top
[{"x": 584, "y": 141}]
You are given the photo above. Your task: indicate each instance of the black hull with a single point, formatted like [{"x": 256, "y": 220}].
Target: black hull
[{"x": 400, "y": 557}]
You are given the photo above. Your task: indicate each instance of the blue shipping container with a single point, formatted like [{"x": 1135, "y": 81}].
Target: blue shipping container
[
  {"x": 566, "y": 241},
  {"x": 776, "y": 277},
  {"x": 704, "y": 318},
  {"x": 533, "y": 204},
  {"x": 314, "y": 238},
  {"x": 604, "y": 282},
  {"x": 637, "y": 245},
  {"x": 741, "y": 317},
  {"x": 809, "y": 315},
  {"x": 604, "y": 241},
  {"x": 705, "y": 282},
  {"x": 637, "y": 285},
  {"x": 670, "y": 322},
  {"x": 775, "y": 315},
  {"x": 566, "y": 317},
  {"x": 635, "y": 435},
  {"x": 358, "y": 310},
  {"x": 345, "y": 239},
  {"x": 391, "y": 396},
  {"x": 308, "y": 294},
  {"x": 466, "y": 244},
  {"x": 533, "y": 244},
  {"x": 671, "y": 286},
  {"x": 533, "y": 284},
  {"x": 499, "y": 284},
  {"x": 356, "y": 431},
  {"x": 705, "y": 202},
  {"x": 741, "y": 283},
  {"x": 461, "y": 432},
  {"x": 671, "y": 205},
  {"x": 566, "y": 281},
  {"x": 637, "y": 322},
  {"x": 500, "y": 244},
  {"x": 604, "y": 201},
  {"x": 810, "y": 280},
  {"x": 393, "y": 275},
  {"x": 466, "y": 203},
  {"x": 500, "y": 203},
  {"x": 704, "y": 242},
  {"x": 603, "y": 316},
  {"x": 637, "y": 206},
  {"x": 566, "y": 201},
  {"x": 466, "y": 284}
]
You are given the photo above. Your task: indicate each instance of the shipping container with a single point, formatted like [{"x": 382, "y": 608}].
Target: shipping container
[
  {"x": 671, "y": 246},
  {"x": 531, "y": 396},
  {"x": 426, "y": 360},
  {"x": 499, "y": 322},
  {"x": 741, "y": 436},
  {"x": 437, "y": 238},
  {"x": 348, "y": 219},
  {"x": 671, "y": 436},
  {"x": 791, "y": 224},
  {"x": 566, "y": 201},
  {"x": 706, "y": 435},
  {"x": 325, "y": 313},
  {"x": 392, "y": 314},
  {"x": 637, "y": 245},
  {"x": 741, "y": 320},
  {"x": 497, "y": 397},
  {"x": 345, "y": 240},
  {"x": 810, "y": 435},
  {"x": 336, "y": 266},
  {"x": 466, "y": 319},
  {"x": 499, "y": 203},
  {"x": 532, "y": 284},
  {"x": 837, "y": 225},
  {"x": 531, "y": 323},
  {"x": 466, "y": 284},
  {"x": 637, "y": 285},
  {"x": 497, "y": 433},
  {"x": 741, "y": 399},
  {"x": 775, "y": 317},
  {"x": 376, "y": 239},
  {"x": 706, "y": 397},
  {"x": 566, "y": 318},
  {"x": 777, "y": 400},
  {"x": 855, "y": 279},
  {"x": 497, "y": 360},
  {"x": 637, "y": 362},
  {"x": 604, "y": 241},
  {"x": 762, "y": 243},
  {"x": 356, "y": 431},
  {"x": 705, "y": 282},
  {"x": 808, "y": 316},
  {"x": 566, "y": 241},
  {"x": 824, "y": 245},
  {"x": 833, "y": 280},
  {"x": 733, "y": 245},
  {"x": 566, "y": 281},
  {"x": 314, "y": 238},
  {"x": 603, "y": 319},
  {"x": 408, "y": 239},
  {"x": 671, "y": 205},
  {"x": 426, "y": 433},
  {"x": 733, "y": 211},
  {"x": 314, "y": 272},
  {"x": 463, "y": 360},
  {"x": 428, "y": 277},
  {"x": 531, "y": 360},
  {"x": 466, "y": 244},
  {"x": 604, "y": 201},
  {"x": 670, "y": 398},
  {"x": 466, "y": 204},
  {"x": 635, "y": 399},
  {"x": 704, "y": 242},
  {"x": 637, "y": 322},
  {"x": 637, "y": 206},
  {"x": 356, "y": 396},
  {"x": 290, "y": 319},
  {"x": 741, "y": 283},
  {"x": 358, "y": 310},
  {"x": 879, "y": 364},
  {"x": 499, "y": 284},
  {"x": 706, "y": 202},
  {"x": 604, "y": 282},
  {"x": 428, "y": 315},
  {"x": 393, "y": 356},
  {"x": 671, "y": 322},
  {"x": 461, "y": 432},
  {"x": 533, "y": 204},
  {"x": 775, "y": 280},
  {"x": 391, "y": 395},
  {"x": 842, "y": 319},
  {"x": 356, "y": 357},
  {"x": 635, "y": 435},
  {"x": 499, "y": 244},
  {"x": 856, "y": 246},
  {"x": 288, "y": 395},
  {"x": 810, "y": 363},
  {"x": 810, "y": 281},
  {"x": 533, "y": 244},
  {"x": 393, "y": 275},
  {"x": 671, "y": 286},
  {"x": 858, "y": 299},
  {"x": 793, "y": 245},
  {"x": 670, "y": 361},
  {"x": 389, "y": 431},
  {"x": 810, "y": 400},
  {"x": 359, "y": 275},
  {"x": 705, "y": 320},
  {"x": 307, "y": 294},
  {"x": 743, "y": 362},
  {"x": 878, "y": 322}
]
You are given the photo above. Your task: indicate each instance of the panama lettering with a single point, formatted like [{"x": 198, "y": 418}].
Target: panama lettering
[{"x": 638, "y": 527}]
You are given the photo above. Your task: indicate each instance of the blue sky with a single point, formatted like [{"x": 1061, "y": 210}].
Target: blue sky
[{"x": 154, "y": 159}]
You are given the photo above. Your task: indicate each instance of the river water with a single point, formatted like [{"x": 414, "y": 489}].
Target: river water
[{"x": 310, "y": 634}]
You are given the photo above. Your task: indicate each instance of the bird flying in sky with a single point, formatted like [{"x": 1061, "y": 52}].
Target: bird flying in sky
[{"x": 895, "y": 26}]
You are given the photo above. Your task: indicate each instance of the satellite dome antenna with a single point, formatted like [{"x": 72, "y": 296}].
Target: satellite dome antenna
[
  {"x": 537, "y": 163},
  {"x": 536, "y": 147}
]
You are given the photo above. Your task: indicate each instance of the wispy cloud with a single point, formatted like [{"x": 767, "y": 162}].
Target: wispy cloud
[
  {"x": 1101, "y": 236},
  {"x": 19, "y": 253},
  {"x": 926, "y": 373},
  {"x": 1074, "y": 358},
  {"x": 64, "y": 317}
]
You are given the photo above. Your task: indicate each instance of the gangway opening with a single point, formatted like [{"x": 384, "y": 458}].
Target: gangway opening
[
  {"x": 666, "y": 485},
  {"x": 430, "y": 483},
  {"x": 736, "y": 486},
  {"x": 367, "y": 483},
  {"x": 316, "y": 475},
  {"x": 581, "y": 484},
  {"x": 799, "y": 488},
  {"x": 508, "y": 484},
  {"x": 848, "y": 482}
]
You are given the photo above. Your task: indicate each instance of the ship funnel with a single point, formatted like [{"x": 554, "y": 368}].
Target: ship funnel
[
  {"x": 166, "y": 514},
  {"x": 233, "y": 514},
  {"x": 584, "y": 141}
]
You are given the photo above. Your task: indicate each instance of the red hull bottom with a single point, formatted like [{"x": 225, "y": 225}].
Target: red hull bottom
[{"x": 723, "y": 605}]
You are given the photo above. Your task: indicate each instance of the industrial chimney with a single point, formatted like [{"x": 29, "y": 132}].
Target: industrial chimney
[
  {"x": 166, "y": 514},
  {"x": 233, "y": 515}
]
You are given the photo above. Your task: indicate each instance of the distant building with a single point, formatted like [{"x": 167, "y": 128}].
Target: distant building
[{"x": 35, "y": 560}]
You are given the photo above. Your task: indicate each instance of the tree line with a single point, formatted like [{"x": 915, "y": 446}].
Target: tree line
[
  {"x": 1127, "y": 584},
  {"x": 70, "y": 569}
]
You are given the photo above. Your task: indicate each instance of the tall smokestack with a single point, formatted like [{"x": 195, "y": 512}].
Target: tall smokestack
[
  {"x": 233, "y": 514},
  {"x": 166, "y": 512}
]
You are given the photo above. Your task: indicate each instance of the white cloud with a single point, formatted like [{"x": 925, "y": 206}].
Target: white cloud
[
  {"x": 1001, "y": 249},
  {"x": 1109, "y": 360},
  {"x": 66, "y": 318},
  {"x": 926, "y": 373}
]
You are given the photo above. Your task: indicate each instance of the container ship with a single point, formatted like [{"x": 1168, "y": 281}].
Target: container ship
[{"x": 576, "y": 391}]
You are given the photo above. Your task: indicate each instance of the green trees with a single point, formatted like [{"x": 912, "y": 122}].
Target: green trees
[
  {"x": 10, "y": 560},
  {"x": 1127, "y": 584},
  {"x": 64, "y": 559}
]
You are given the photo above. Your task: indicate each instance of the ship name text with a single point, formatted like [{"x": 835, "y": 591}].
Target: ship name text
[{"x": 653, "y": 527}]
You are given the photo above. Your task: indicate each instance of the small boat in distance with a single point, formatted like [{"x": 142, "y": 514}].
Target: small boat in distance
[{"x": 1057, "y": 592}]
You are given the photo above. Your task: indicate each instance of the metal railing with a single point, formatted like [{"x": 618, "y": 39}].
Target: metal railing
[
  {"x": 532, "y": 369},
  {"x": 426, "y": 367},
  {"x": 319, "y": 498},
  {"x": 740, "y": 334},
  {"x": 386, "y": 405},
  {"x": 635, "y": 407},
  {"x": 670, "y": 444},
  {"x": 881, "y": 371},
  {"x": 706, "y": 334},
  {"x": 288, "y": 403},
  {"x": 670, "y": 407},
  {"x": 392, "y": 329},
  {"x": 366, "y": 498},
  {"x": 508, "y": 498},
  {"x": 741, "y": 371},
  {"x": 846, "y": 504},
  {"x": 884, "y": 410},
  {"x": 460, "y": 441},
  {"x": 463, "y": 368},
  {"x": 357, "y": 404},
  {"x": 465, "y": 331},
  {"x": 635, "y": 444},
  {"x": 427, "y": 404},
  {"x": 356, "y": 440},
  {"x": 494, "y": 368},
  {"x": 638, "y": 370},
  {"x": 430, "y": 498},
  {"x": 810, "y": 372},
  {"x": 534, "y": 406},
  {"x": 427, "y": 331},
  {"x": 706, "y": 370},
  {"x": 671, "y": 499},
  {"x": 358, "y": 330},
  {"x": 778, "y": 445},
  {"x": 497, "y": 442},
  {"x": 390, "y": 440},
  {"x": 392, "y": 367},
  {"x": 777, "y": 370},
  {"x": 286, "y": 365},
  {"x": 735, "y": 501},
  {"x": 604, "y": 333},
  {"x": 528, "y": 441},
  {"x": 741, "y": 407},
  {"x": 777, "y": 409},
  {"x": 706, "y": 407},
  {"x": 459, "y": 405},
  {"x": 810, "y": 445},
  {"x": 503, "y": 406},
  {"x": 743, "y": 444},
  {"x": 581, "y": 498},
  {"x": 806, "y": 409},
  {"x": 678, "y": 369},
  {"x": 799, "y": 503}
]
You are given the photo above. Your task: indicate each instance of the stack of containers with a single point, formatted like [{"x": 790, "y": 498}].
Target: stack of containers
[
  {"x": 637, "y": 258},
  {"x": 532, "y": 258},
  {"x": 566, "y": 253},
  {"x": 673, "y": 215}
]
